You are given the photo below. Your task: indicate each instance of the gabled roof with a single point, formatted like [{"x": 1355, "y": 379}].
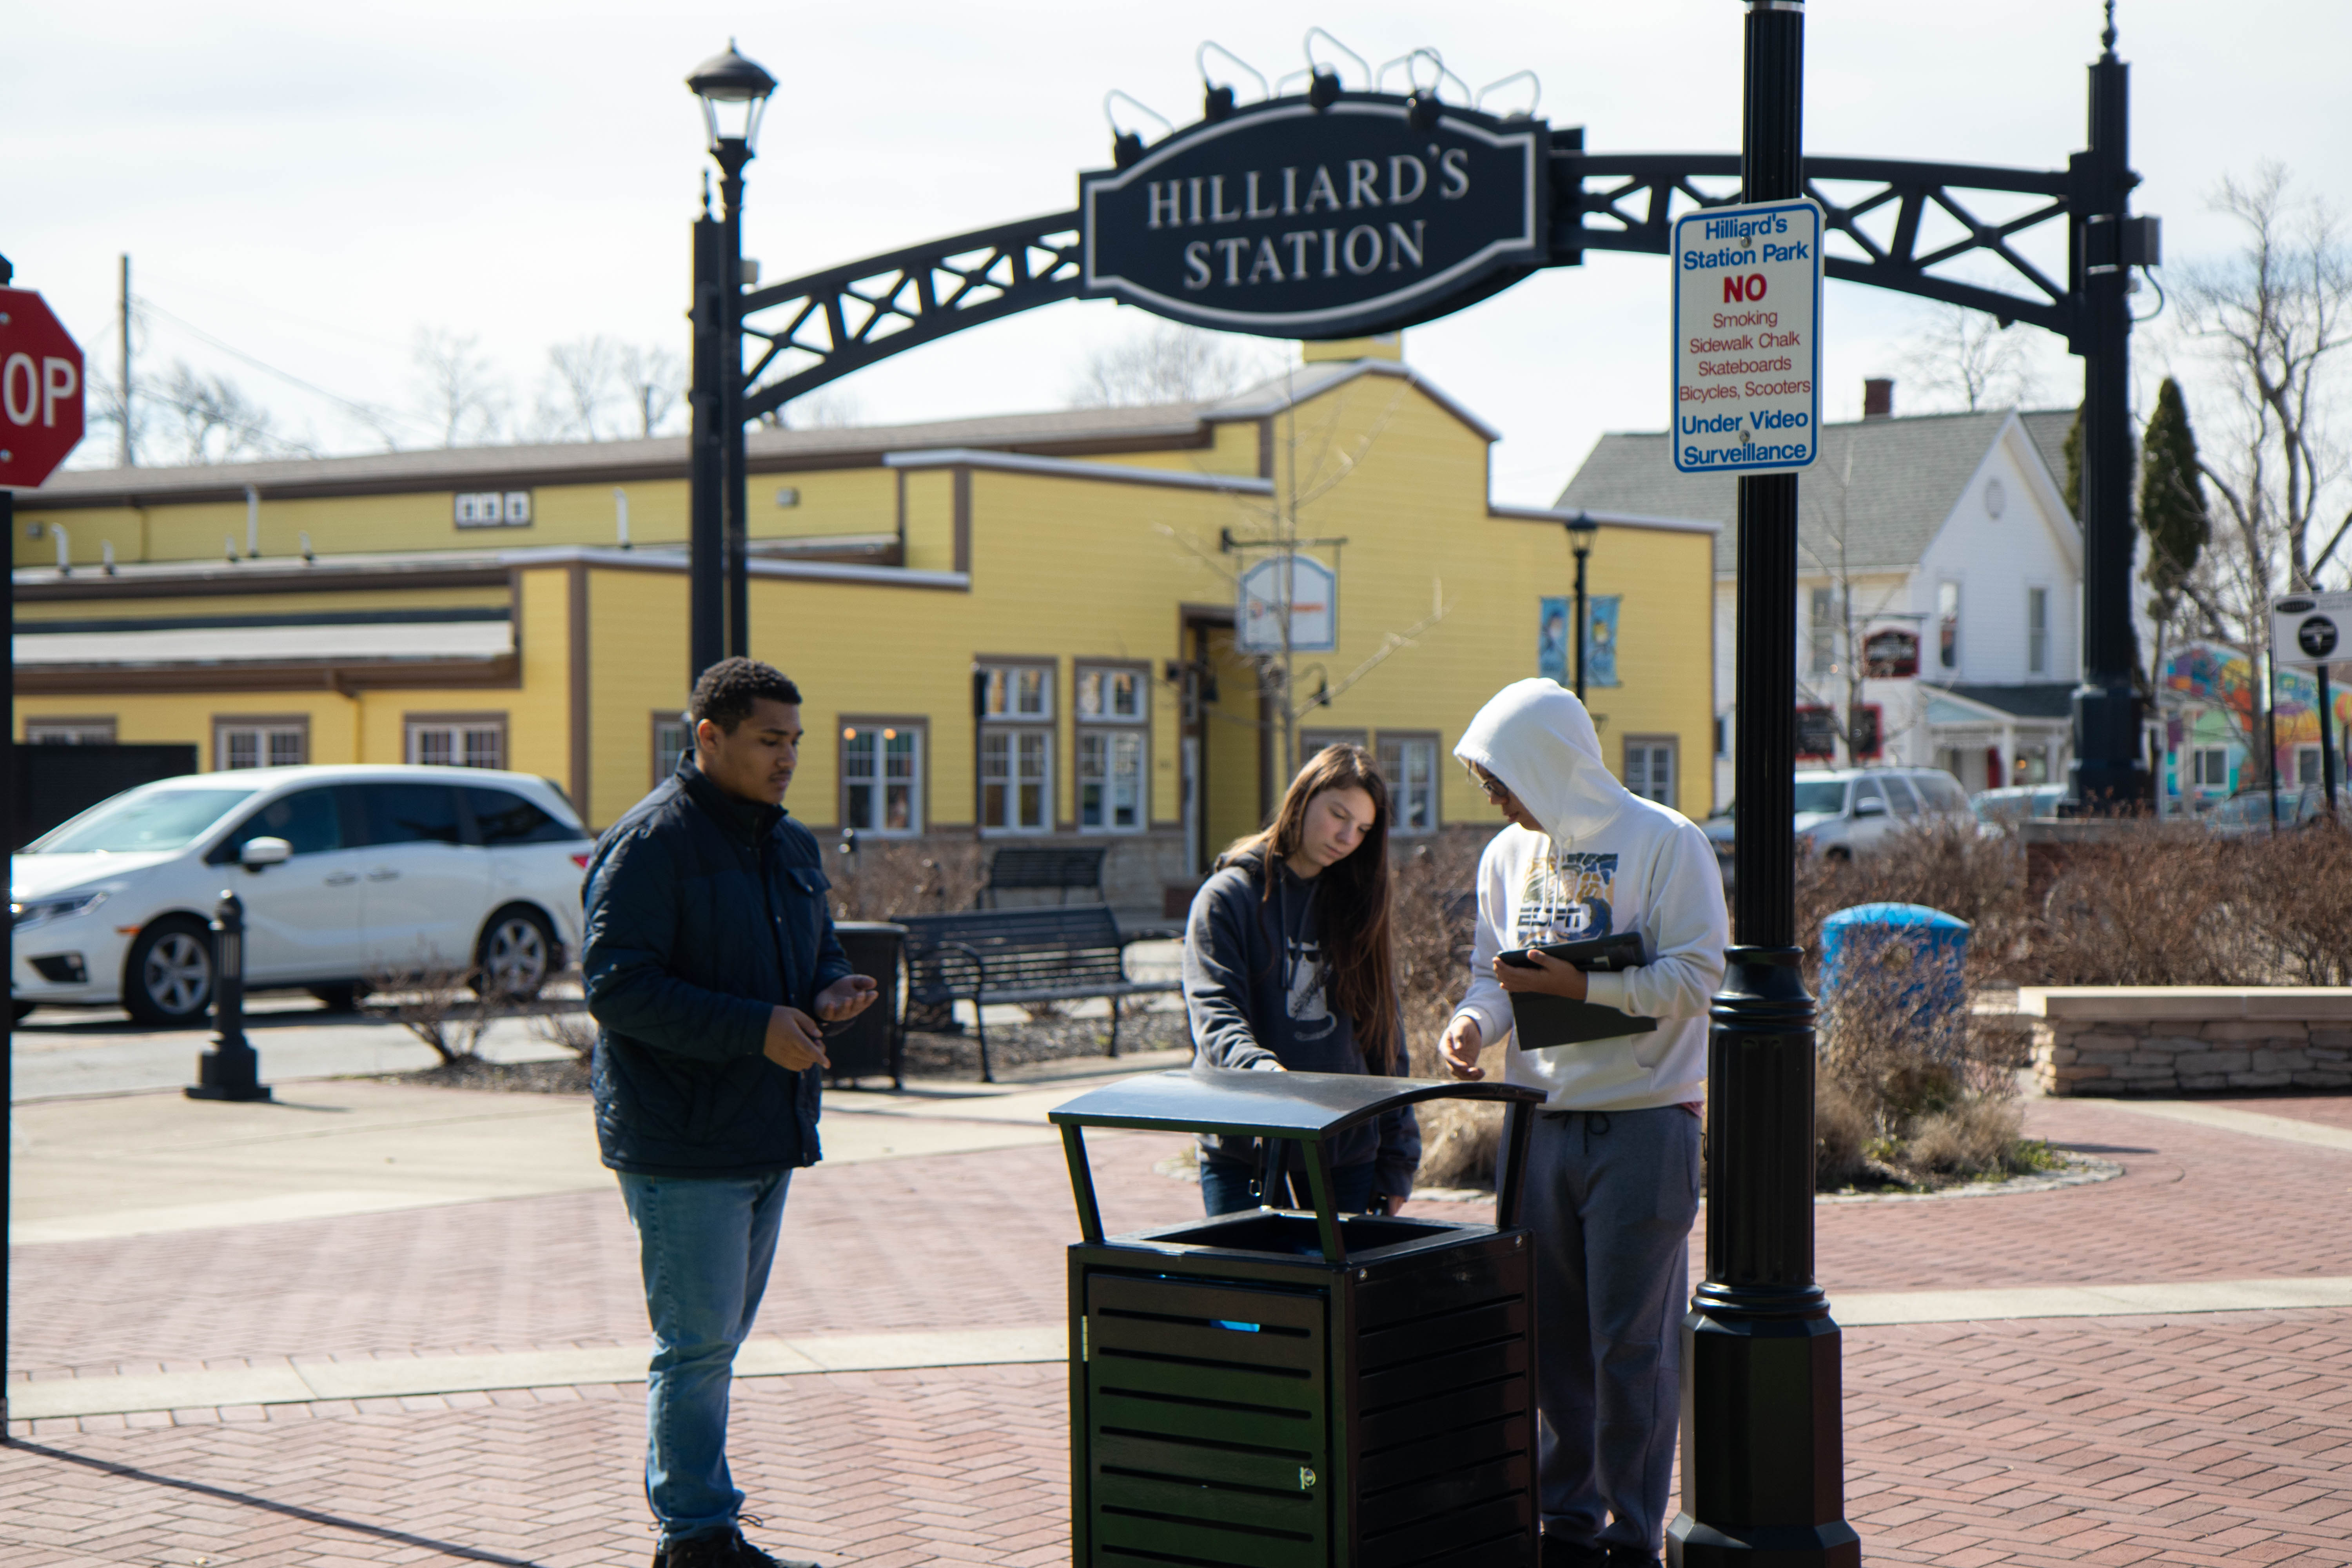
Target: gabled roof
[
  {"x": 1304, "y": 383},
  {"x": 1908, "y": 474}
]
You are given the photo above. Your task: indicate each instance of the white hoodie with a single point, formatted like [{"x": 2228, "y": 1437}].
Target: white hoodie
[{"x": 1608, "y": 861}]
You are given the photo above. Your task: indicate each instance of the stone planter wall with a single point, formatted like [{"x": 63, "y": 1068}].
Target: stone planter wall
[{"x": 2167, "y": 1039}]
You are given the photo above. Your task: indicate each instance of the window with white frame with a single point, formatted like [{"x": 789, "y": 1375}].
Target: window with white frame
[
  {"x": 1650, "y": 767},
  {"x": 1111, "y": 781},
  {"x": 1109, "y": 694},
  {"x": 260, "y": 743},
  {"x": 1018, "y": 692},
  {"x": 1409, "y": 763},
  {"x": 2210, "y": 767},
  {"x": 492, "y": 508},
  {"x": 2037, "y": 631},
  {"x": 458, "y": 741},
  {"x": 1947, "y": 624},
  {"x": 69, "y": 732},
  {"x": 1016, "y": 779},
  {"x": 672, "y": 737},
  {"x": 882, "y": 776},
  {"x": 1822, "y": 631}
]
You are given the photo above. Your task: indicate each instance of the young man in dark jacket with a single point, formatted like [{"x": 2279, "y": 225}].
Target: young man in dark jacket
[{"x": 708, "y": 948}]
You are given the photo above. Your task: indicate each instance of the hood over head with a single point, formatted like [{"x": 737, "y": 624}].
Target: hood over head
[{"x": 1537, "y": 739}]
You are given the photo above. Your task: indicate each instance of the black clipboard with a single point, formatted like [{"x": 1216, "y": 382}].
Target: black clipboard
[{"x": 1538, "y": 1021}]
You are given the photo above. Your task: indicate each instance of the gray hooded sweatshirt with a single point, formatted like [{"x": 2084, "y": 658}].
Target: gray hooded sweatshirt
[{"x": 1256, "y": 993}]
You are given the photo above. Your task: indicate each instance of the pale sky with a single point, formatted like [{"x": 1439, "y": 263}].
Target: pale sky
[{"x": 311, "y": 184}]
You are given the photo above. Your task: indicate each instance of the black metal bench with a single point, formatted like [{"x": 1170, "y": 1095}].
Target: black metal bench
[
  {"x": 1053, "y": 953},
  {"x": 1025, "y": 867}
]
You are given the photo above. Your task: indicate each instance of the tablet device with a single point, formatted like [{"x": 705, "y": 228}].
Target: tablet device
[{"x": 1538, "y": 1021}]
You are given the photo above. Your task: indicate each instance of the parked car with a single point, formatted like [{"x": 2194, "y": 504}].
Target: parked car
[
  {"x": 2013, "y": 804},
  {"x": 2298, "y": 807},
  {"x": 1842, "y": 812},
  {"x": 345, "y": 872}
]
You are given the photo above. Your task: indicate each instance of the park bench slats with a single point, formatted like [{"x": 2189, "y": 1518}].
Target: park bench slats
[
  {"x": 1020, "y": 867},
  {"x": 1050, "y": 954}
]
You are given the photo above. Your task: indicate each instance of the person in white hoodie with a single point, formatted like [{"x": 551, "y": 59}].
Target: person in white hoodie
[{"x": 1612, "y": 1183}]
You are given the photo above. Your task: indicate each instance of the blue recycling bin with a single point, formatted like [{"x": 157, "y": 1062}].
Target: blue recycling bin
[{"x": 1909, "y": 954}]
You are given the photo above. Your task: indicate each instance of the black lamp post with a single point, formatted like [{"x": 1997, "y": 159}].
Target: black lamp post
[
  {"x": 1580, "y": 539},
  {"x": 1763, "y": 1445},
  {"x": 734, "y": 94}
]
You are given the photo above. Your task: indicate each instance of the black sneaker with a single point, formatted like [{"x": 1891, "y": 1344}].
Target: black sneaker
[
  {"x": 727, "y": 1549},
  {"x": 1560, "y": 1552}
]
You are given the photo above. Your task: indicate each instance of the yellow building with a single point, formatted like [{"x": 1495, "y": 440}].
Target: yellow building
[{"x": 526, "y": 607}]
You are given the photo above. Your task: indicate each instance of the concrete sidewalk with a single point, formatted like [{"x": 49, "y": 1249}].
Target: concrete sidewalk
[{"x": 2151, "y": 1369}]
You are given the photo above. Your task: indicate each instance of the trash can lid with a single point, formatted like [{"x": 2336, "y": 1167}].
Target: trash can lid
[
  {"x": 1916, "y": 916},
  {"x": 1306, "y": 1106}
]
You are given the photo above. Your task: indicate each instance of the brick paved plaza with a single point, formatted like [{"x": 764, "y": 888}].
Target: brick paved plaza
[{"x": 2179, "y": 1437}]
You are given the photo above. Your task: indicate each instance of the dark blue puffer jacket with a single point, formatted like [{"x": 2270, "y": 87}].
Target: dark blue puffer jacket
[{"x": 704, "y": 912}]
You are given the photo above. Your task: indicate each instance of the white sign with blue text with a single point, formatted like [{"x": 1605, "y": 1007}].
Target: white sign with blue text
[{"x": 1748, "y": 345}]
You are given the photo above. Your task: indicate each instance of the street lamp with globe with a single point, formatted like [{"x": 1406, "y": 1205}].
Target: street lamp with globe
[{"x": 734, "y": 94}]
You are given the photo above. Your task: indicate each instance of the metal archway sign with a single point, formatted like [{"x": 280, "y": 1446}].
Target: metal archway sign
[{"x": 1290, "y": 220}]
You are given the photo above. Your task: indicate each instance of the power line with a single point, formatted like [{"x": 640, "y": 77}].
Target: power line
[{"x": 372, "y": 415}]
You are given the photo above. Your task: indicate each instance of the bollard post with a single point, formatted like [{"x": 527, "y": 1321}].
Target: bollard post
[{"x": 231, "y": 1069}]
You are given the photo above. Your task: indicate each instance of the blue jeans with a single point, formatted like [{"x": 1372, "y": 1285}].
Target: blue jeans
[
  {"x": 1224, "y": 1187},
  {"x": 703, "y": 1246}
]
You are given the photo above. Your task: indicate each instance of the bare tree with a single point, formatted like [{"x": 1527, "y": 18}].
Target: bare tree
[
  {"x": 214, "y": 420},
  {"x": 581, "y": 383},
  {"x": 833, "y": 407},
  {"x": 2275, "y": 318},
  {"x": 1313, "y": 465},
  {"x": 1839, "y": 663},
  {"x": 1170, "y": 363},
  {"x": 653, "y": 380},
  {"x": 1967, "y": 357},
  {"x": 457, "y": 388}
]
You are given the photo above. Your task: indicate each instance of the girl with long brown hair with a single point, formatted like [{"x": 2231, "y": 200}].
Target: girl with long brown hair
[{"x": 1288, "y": 967}]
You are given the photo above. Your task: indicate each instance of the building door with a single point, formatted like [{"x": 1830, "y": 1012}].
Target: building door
[{"x": 1233, "y": 743}]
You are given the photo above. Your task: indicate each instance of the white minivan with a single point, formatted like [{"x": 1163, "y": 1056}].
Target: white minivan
[
  {"x": 345, "y": 873},
  {"x": 1842, "y": 812}
]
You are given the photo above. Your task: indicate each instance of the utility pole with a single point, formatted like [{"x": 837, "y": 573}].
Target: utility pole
[
  {"x": 129, "y": 453},
  {"x": 1763, "y": 1449}
]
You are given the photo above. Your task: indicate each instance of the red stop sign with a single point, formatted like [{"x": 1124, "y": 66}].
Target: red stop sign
[{"x": 41, "y": 390}]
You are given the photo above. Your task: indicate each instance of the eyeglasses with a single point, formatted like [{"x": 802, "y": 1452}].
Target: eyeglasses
[{"x": 1493, "y": 787}]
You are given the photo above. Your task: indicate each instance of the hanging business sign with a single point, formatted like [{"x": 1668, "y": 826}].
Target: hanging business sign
[
  {"x": 2312, "y": 628},
  {"x": 1748, "y": 345},
  {"x": 1891, "y": 654},
  {"x": 1309, "y": 589},
  {"x": 1292, "y": 221}
]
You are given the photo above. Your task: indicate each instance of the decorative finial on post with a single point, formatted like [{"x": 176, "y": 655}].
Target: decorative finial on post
[{"x": 2107, "y": 38}]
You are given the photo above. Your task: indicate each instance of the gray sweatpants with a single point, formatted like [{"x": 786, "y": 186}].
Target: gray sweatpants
[{"x": 1610, "y": 1197}]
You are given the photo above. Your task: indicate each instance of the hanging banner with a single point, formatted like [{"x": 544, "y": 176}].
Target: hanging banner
[
  {"x": 1553, "y": 615},
  {"x": 1600, "y": 640},
  {"x": 1310, "y": 590},
  {"x": 1291, "y": 221}
]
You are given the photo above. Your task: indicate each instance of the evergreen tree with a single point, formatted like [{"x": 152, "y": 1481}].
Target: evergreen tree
[
  {"x": 2071, "y": 486},
  {"x": 2171, "y": 498}
]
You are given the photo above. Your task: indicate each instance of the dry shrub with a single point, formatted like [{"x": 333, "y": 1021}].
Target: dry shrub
[
  {"x": 1975, "y": 1137},
  {"x": 1435, "y": 909},
  {"x": 572, "y": 1028},
  {"x": 1944, "y": 864},
  {"x": 436, "y": 1004},
  {"x": 883, "y": 879},
  {"x": 1841, "y": 1130}
]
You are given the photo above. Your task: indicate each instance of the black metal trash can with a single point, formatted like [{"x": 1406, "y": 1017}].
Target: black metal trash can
[
  {"x": 1278, "y": 1387},
  {"x": 873, "y": 1042}
]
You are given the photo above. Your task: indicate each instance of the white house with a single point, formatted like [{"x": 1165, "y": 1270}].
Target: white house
[{"x": 1939, "y": 587}]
